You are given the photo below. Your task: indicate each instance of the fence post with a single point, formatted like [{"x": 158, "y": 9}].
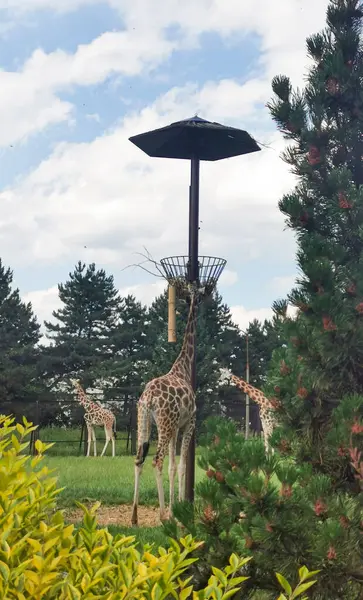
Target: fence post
[
  {"x": 80, "y": 441},
  {"x": 35, "y": 434},
  {"x": 85, "y": 440}
]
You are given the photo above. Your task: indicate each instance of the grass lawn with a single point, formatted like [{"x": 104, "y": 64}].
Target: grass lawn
[{"x": 109, "y": 480}]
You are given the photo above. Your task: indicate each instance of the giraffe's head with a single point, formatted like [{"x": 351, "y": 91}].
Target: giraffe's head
[
  {"x": 225, "y": 376},
  {"x": 74, "y": 382},
  {"x": 196, "y": 291}
]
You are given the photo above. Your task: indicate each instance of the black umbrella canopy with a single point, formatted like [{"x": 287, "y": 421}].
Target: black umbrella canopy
[{"x": 195, "y": 138}]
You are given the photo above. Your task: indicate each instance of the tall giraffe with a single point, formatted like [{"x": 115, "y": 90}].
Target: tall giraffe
[
  {"x": 96, "y": 415},
  {"x": 267, "y": 407},
  {"x": 170, "y": 400}
]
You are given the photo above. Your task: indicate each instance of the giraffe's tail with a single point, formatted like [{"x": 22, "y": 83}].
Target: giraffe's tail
[{"x": 144, "y": 417}]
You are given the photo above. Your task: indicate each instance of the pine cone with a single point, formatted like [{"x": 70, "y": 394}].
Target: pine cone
[
  {"x": 320, "y": 507},
  {"x": 332, "y": 553},
  {"x": 286, "y": 490},
  {"x": 356, "y": 428},
  {"x": 284, "y": 369},
  {"x": 352, "y": 289},
  {"x": 343, "y": 201},
  {"x": 314, "y": 157},
  {"x": 302, "y": 392},
  {"x": 344, "y": 521},
  {"x": 332, "y": 86},
  {"x": 209, "y": 514},
  {"x": 328, "y": 324},
  {"x": 359, "y": 308},
  {"x": 304, "y": 218}
]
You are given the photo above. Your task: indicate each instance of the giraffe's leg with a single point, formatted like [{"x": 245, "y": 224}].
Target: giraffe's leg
[
  {"x": 187, "y": 436},
  {"x": 158, "y": 463},
  {"x": 108, "y": 437},
  {"x": 138, "y": 471},
  {"x": 113, "y": 443},
  {"x": 144, "y": 420},
  {"x": 94, "y": 441},
  {"x": 113, "y": 437},
  {"x": 172, "y": 471},
  {"x": 89, "y": 438}
]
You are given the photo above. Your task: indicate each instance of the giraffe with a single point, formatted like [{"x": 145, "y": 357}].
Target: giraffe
[
  {"x": 170, "y": 401},
  {"x": 96, "y": 415},
  {"x": 268, "y": 418}
]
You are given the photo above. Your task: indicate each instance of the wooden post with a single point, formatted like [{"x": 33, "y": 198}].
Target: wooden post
[{"x": 171, "y": 314}]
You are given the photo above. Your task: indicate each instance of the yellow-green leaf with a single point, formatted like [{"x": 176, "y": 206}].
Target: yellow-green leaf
[
  {"x": 302, "y": 588},
  {"x": 284, "y": 584}
]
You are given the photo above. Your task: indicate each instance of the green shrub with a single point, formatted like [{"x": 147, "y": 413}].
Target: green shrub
[
  {"x": 41, "y": 557},
  {"x": 274, "y": 510}
]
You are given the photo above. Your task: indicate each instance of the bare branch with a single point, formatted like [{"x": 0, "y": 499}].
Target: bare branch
[{"x": 148, "y": 259}]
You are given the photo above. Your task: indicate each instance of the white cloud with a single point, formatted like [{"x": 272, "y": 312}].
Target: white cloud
[
  {"x": 29, "y": 101},
  {"x": 109, "y": 196},
  {"x": 145, "y": 292},
  {"x": 44, "y": 302},
  {"x": 243, "y": 316},
  {"x": 282, "y": 285},
  {"x": 228, "y": 278}
]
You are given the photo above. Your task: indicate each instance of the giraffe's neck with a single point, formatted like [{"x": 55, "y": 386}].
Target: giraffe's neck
[
  {"x": 182, "y": 366},
  {"x": 255, "y": 394},
  {"x": 82, "y": 398}
]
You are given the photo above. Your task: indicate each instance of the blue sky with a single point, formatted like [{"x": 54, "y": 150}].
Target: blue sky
[{"x": 81, "y": 77}]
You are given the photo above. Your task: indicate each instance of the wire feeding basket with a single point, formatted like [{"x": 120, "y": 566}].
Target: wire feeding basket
[{"x": 177, "y": 272}]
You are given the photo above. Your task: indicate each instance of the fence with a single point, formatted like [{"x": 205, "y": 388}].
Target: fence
[{"x": 62, "y": 421}]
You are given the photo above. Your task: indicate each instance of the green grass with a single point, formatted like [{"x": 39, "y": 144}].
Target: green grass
[{"x": 108, "y": 480}]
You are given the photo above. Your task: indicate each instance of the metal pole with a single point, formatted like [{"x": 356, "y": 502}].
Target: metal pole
[
  {"x": 247, "y": 396},
  {"x": 193, "y": 276}
]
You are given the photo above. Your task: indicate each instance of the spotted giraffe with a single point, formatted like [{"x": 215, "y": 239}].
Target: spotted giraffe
[
  {"x": 96, "y": 415},
  {"x": 170, "y": 401},
  {"x": 267, "y": 407}
]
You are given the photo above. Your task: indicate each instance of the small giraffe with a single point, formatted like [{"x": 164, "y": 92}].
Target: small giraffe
[
  {"x": 268, "y": 418},
  {"x": 170, "y": 400},
  {"x": 96, "y": 415}
]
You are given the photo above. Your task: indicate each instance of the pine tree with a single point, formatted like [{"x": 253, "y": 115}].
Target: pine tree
[
  {"x": 122, "y": 373},
  {"x": 324, "y": 358},
  {"x": 81, "y": 332},
  {"x": 20, "y": 381},
  {"x": 280, "y": 513}
]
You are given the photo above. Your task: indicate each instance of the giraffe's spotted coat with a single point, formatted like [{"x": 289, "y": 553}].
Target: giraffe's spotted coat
[
  {"x": 170, "y": 401},
  {"x": 267, "y": 407},
  {"x": 96, "y": 415}
]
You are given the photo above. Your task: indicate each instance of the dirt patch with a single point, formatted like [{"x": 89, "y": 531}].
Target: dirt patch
[{"x": 117, "y": 515}]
